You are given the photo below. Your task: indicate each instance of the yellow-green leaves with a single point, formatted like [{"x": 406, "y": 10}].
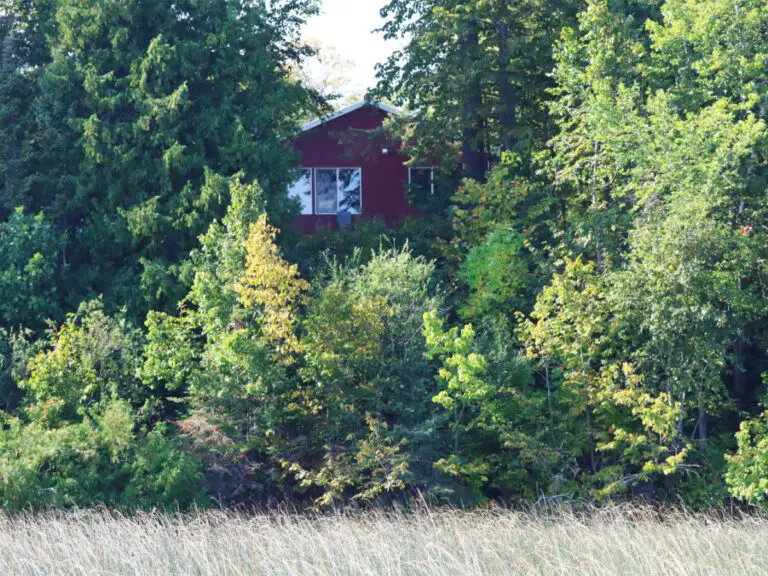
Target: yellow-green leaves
[
  {"x": 92, "y": 358},
  {"x": 462, "y": 370},
  {"x": 747, "y": 475},
  {"x": 274, "y": 287}
]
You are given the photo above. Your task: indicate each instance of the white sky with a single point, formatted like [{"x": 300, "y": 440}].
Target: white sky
[{"x": 347, "y": 26}]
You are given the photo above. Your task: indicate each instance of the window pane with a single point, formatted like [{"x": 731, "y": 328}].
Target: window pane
[
  {"x": 325, "y": 191},
  {"x": 421, "y": 181},
  {"x": 350, "y": 190},
  {"x": 302, "y": 189}
]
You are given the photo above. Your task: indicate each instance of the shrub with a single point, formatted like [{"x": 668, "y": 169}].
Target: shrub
[
  {"x": 91, "y": 357},
  {"x": 99, "y": 460},
  {"x": 747, "y": 475}
]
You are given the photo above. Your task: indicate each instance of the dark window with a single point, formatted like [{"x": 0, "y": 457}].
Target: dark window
[
  {"x": 422, "y": 181},
  {"x": 326, "y": 187}
]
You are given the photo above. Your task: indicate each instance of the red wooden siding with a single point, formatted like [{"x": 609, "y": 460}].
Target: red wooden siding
[{"x": 384, "y": 176}]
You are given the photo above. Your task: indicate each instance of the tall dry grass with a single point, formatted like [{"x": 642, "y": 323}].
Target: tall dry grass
[{"x": 618, "y": 542}]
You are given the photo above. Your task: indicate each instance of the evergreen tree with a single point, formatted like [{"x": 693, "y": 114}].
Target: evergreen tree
[
  {"x": 473, "y": 73},
  {"x": 117, "y": 121}
]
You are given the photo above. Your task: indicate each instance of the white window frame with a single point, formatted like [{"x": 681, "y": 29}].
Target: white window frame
[
  {"x": 314, "y": 189},
  {"x": 431, "y": 176}
]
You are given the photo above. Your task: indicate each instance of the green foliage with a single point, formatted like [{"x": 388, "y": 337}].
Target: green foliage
[
  {"x": 274, "y": 287},
  {"x": 502, "y": 233},
  {"x": 170, "y": 354},
  {"x": 474, "y": 74},
  {"x": 363, "y": 356},
  {"x": 461, "y": 389},
  {"x": 607, "y": 245},
  {"x": 78, "y": 439},
  {"x": 374, "y": 467},
  {"x": 99, "y": 460},
  {"x": 573, "y": 332},
  {"x": 30, "y": 270},
  {"x": 460, "y": 377},
  {"x": 16, "y": 348},
  {"x": 747, "y": 475},
  {"x": 313, "y": 250},
  {"x": 497, "y": 273},
  {"x": 710, "y": 51},
  {"x": 213, "y": 351},
  {"x": 91, "y": 357},
  {"x": 508, "y": 196},
  {"x": 304, "y": 393},
  {"x": 494, "y": 413},
  {"x": 120, "y": 110},
  {"x": 161, "y": 473},
  {"x": 657, "y": 164}
]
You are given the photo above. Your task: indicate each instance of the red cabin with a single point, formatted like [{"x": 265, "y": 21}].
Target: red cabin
[{"x": 346, "y": 174}]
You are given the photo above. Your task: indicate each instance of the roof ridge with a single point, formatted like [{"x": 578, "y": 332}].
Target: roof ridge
[{"x": 347, "y": 110}]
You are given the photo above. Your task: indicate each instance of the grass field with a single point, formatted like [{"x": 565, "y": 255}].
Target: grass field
[{"x": 427, "y": 543}]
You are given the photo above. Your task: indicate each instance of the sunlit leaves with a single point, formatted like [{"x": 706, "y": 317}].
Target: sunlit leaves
[{"x": 273, "y": 286}]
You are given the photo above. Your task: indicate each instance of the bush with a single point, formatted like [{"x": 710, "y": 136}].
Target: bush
[
  {"x": 91, "y": 357},
  {"x": 99, "y": 460},
  {"x": 78, "y": 439},
  {"x": 366, "y": 382},
  {"x": 747, "y": 475}
]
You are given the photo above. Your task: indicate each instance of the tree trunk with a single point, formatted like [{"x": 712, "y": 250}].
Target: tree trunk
[
  {"x": 703, "y": 426},
  {"x": 472, "y": 137},
  {"x": 550, "y": 404},
  {"x": 592, "y": 459},
  {"x": 740, "y": 378},
  {"x": 507, "y": 95}
]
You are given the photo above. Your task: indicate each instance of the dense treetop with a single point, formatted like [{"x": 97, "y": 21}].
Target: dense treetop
[{"x": 580, "y": 312}]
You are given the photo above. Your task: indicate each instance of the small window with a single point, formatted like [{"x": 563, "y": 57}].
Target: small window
[
  {"x": 338, "y": 190},
  {"x": 422, "y": 180},
  {"x": 302, "y": 189}
]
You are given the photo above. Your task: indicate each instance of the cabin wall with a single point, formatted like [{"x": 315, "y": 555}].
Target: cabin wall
[{"x": 384, "y": 176}]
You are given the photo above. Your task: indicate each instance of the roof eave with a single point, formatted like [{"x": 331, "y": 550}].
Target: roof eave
[{"x": 344, "y": 111}]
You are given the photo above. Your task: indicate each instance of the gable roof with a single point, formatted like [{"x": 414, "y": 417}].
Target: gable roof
[{"x": 347, "y": 110}]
